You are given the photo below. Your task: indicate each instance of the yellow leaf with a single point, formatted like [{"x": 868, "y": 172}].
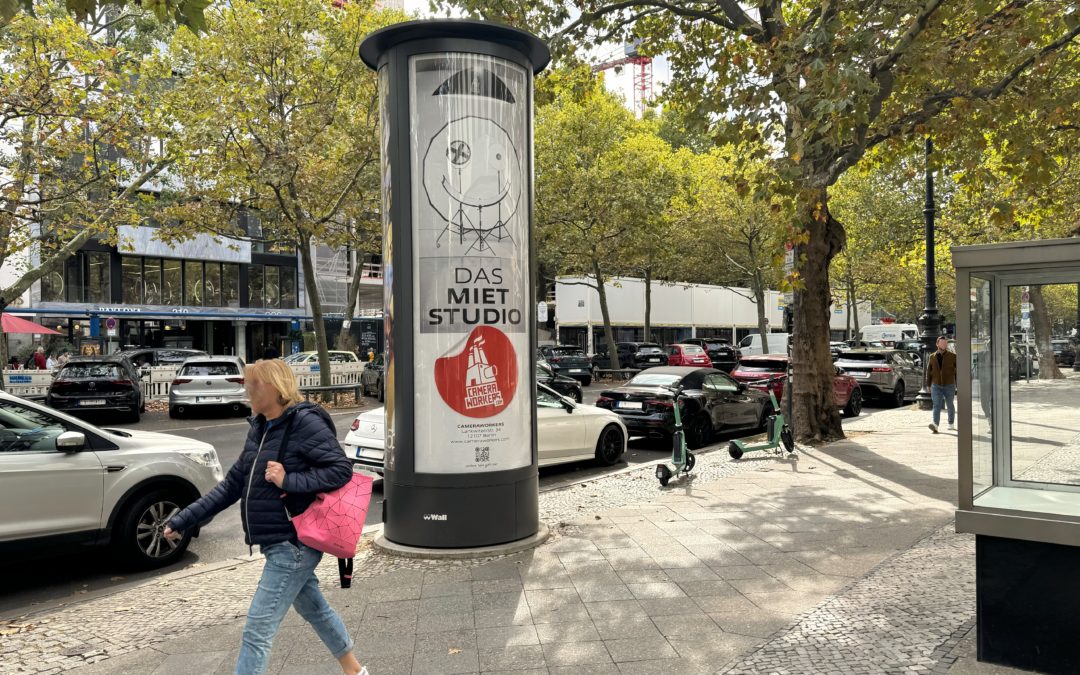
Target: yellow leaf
[{"x": 453, "y": 650}]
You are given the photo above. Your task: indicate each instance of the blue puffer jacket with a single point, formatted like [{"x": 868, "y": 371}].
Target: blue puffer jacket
[{"x": 313, "y": 463}]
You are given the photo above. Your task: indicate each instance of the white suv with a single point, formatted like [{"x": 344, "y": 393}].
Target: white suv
[{"x": 64, "y": 482}]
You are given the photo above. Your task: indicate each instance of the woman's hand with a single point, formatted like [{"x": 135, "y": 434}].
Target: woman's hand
[
  {"x": 171, "y": 534},
  {"x": 275, "y": 473}
]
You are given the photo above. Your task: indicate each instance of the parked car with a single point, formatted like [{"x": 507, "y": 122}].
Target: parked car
[
  {"x": 835, "y": 348},
  {"x": 913, "y": 348},
  {"x": 204, "y": 382},
  {"x": 373, "y": 378},
  {"x": 751, "y": 344},
  {"x": 688, "y": 355},
  {"x": 563, "y": 385},
  {"x": 722, "y": 353},
  {"x": 631, "y": 355},
  {"x": 1063, "y": 352},
  {"x": 96, "y": 383},
  {"x": 772, "y": 367},
  {"x": 312, "y": 358},
  {"x": 64, "y": 481},
  {"x": 710, "y": 402},
  {"x": 885, "y": 374},
  {"x": 567, "y": 360},
  {"x": 148, "y": 357},
  {"x": 565, "y": 432}
]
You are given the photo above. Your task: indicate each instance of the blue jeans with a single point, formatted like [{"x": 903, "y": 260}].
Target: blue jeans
[
  {"x": 942, "y": 395},
  {"x": 288, "y": 578}
]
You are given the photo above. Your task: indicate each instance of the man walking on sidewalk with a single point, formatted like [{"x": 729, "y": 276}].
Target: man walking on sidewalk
[{"x": 941, "y": 376}]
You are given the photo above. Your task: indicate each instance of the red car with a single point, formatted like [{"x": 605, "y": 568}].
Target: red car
[
  {"x": 846, "y": 389},
  {"x": 688, "y": 355}
]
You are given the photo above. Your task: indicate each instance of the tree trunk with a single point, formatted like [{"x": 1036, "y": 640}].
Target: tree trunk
[
  {"x": 4, "y": 348},
  {"x": 648, "y": 304},
  {"x": 1040, "y": 316},
  {"x": 342, "y": 342},
  {"x": 609, "y": 336},
  {"x": 312, "y": 286},
  {"x": 758, "y": 288},
  {"x": 816, "y": 418}
]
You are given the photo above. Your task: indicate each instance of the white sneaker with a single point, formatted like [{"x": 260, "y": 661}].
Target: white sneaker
[
  {"x": 933, "y": 427},
  {"x": 363, "y": 670},
  {"x": 952, "y": 427}
]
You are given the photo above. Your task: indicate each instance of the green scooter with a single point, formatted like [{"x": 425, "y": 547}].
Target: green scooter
[
  {"x": 779, "y": 431},
  {"x": 682, "y": 460}
]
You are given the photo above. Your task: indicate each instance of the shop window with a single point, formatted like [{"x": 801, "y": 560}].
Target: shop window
[
  {"x": 255, "y": 286},
  {"x": 273, "y": 289},
  {"x": 230, "y": 285},
  {"x": 131, "y": 280},
  {"x": 152, "y": 281},
  {"x": 288, "y": 288},
  {"x": 98, "y": 277},
  {"x": 73, "y": 279},
  {"x": 52, "y": 287},
  {"x": 213, "y": 284},
  {"x": 193, "y": 282},
  {"x": 172, "y": 288}
]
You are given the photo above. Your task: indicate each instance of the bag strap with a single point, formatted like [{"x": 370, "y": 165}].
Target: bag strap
[
  {"x": 345, "y": 567},
  {"x": 281, "y": 460}
]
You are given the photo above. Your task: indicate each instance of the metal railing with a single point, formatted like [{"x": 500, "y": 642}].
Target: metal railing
[{"x": 157, "y": 381}]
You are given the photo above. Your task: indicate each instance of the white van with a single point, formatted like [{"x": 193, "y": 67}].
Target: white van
[
  {"x": 889, "y": 333},
  {"x": 751, "y": 344}
]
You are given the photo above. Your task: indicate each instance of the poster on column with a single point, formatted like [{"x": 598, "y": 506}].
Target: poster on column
[{"x": 470, "y": 210}]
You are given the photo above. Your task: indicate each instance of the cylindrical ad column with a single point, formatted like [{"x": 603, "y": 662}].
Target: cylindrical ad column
[{"x": 457, "y": 158}]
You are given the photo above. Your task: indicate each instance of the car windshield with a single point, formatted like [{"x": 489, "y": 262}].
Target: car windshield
[
  {"x": 89, "y": 371},
  {"x": 715, "y": 345},
  {"x": 648, "y": 345},
  {"x": 210, "y": 369},
  {"x": 763, "y": 366},
  {"x": 654, "y": 380},
  {"x": 691, "y": 349},
  {"x": 566, "y": 351},
  {"x": 543, "y": 370},
  {"x": 863, "y": 356}
]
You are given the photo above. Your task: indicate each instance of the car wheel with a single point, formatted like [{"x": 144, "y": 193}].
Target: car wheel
[
  {"x": 854, "y": 404},
  {"x": 134, "y": 416},
  {"x": 382, "y": 391},
  {"x": 609, "y": 447},
  {"x": 898, "y": 395},
  {"x": 174, "y": 414},
  {"x": 586, "y": 382},
  {"x": 139, "y": 539},
  {"x": 578, "y": 396},
  {"x": 763, "y": 420},
  {"x": 698, "y": 432}
]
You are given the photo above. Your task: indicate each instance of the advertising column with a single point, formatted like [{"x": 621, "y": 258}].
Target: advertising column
[{"x": 456, "y": 110}]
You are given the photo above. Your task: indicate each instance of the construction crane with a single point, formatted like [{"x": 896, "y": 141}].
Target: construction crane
[{"x": 642, "y": 73}]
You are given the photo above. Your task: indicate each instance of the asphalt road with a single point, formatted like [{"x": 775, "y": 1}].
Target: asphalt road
[{"x": 73, "y": 575}]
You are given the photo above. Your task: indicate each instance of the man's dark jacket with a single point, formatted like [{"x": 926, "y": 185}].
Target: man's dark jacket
[
  {"x": 313, "y": 463},
  {"x": 946, "y": 372}
]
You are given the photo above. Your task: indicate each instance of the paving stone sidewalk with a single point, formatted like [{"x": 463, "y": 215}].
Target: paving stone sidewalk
[{"x": 838, "y": 560}]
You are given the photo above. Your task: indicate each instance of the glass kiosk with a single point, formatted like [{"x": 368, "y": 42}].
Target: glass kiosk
[{"x": 1019, "y": 446}]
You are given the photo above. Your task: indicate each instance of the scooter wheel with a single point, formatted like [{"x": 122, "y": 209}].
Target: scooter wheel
[
  {"x": 663, "y": 474},
  {"x": 734, "y": 451},
  {"x": 787, "y": 439},
  {"x": 690, "y": 462}
]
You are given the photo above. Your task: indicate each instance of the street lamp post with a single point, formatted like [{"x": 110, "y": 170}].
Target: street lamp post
[{"x": 930, "y": 322}]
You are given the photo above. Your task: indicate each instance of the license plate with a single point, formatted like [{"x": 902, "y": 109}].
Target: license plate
[
  {"x": 208, "y": 399},
  {"x": 576, "y": 370},
  {"x": 369, "y": 453},
  {"x": 93, "y": 401},
  {"x": 860, "y": 375},
  {"x": 654, "y": 360},
  {"x": 632, "y": 405}
]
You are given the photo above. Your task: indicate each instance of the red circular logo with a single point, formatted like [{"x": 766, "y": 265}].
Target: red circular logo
[{"x": 479, "y": 381}]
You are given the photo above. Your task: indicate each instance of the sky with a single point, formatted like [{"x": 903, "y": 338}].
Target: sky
[{"x": 620, "y": 83}]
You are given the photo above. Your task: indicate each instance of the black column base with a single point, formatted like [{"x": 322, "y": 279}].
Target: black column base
[{"x": 1028, "y": 598}]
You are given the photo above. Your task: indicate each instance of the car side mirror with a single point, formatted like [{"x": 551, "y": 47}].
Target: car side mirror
[
  {"x": 71, "y": 441},
  {"x": 741, "y": 387}
]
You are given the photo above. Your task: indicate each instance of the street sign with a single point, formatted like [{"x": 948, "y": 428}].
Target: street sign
[
  {"x": 789, "y": 257},
  {"x": 1025, "y": 323},
  {"x": 1025, "y": 315},
  {"x": 1025, "y": 306},
  {"x": 1025, "y": 297},
  {"x": 541, "y": 312}
]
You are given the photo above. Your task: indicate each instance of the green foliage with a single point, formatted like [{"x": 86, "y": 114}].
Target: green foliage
[{"x": 183, "y": 12}]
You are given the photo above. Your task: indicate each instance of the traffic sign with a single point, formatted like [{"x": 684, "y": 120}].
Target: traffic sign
[
  {"x": 1025, "y": 315},
  {"x": 1025, "y": 306},
  {"x": 1025, "y": 297},
  {"x": 1025, "y": 323}
]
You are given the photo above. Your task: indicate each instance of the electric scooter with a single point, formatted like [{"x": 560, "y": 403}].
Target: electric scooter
[
  {"x": 682, "y": 460},
  {"x": 778, "y": 430}
]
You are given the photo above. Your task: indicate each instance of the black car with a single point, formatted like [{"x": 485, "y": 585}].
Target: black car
[
  {"x": 373, "y": 378},
  {"x": 88, "y": 383},
  {"x": 567, "y": 360},
  {"x": 143, "y": 357},
  {"x": 710, "y": 402},
  {"x": 1063, "y": 352},
  {"x": 631, "y": 355},
  {"x": 566, "y": 386},
  {"x": 722, "y": 353}
]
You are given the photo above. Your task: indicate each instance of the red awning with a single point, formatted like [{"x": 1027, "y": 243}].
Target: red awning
[{"x": 13, "y": 324}]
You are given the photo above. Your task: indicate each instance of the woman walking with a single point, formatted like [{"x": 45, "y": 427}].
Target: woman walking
[{"x": 290, "y": 455}]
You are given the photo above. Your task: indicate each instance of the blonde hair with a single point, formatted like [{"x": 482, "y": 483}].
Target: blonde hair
[{"x": 278, "y": 375}]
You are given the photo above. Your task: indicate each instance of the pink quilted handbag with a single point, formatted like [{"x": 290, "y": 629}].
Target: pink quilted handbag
[{"x": 334, "y": 521}]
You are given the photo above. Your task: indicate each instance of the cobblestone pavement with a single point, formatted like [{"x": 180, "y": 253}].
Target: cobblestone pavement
[{"x": 636, "y": 579}]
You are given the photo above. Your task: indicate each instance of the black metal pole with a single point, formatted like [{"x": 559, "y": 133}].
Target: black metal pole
[{"x": 930, "y": 322}]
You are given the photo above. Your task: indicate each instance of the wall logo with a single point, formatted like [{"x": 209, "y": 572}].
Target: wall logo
[{"x": 480, "y": 380}]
